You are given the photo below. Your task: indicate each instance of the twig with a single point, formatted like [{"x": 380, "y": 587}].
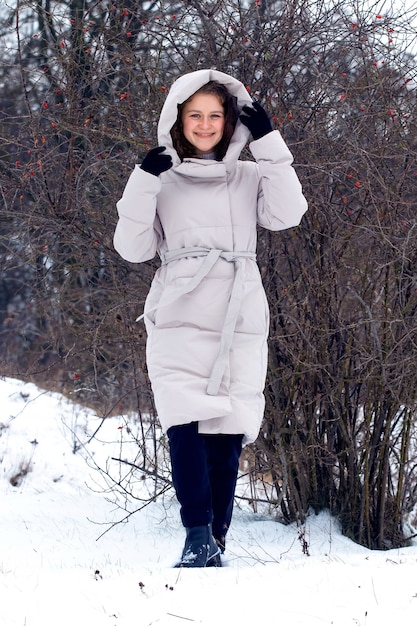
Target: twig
[
  {"x": 189, "y": 619},
  {"x": 124, "y": 519},
  {"x": 142, "y": 469}
]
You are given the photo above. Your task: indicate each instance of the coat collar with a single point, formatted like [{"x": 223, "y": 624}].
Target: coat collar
[{"x": 199, "y": 168}]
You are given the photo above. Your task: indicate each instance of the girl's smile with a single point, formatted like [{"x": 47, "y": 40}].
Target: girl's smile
[{"x": 203, "y": 122}]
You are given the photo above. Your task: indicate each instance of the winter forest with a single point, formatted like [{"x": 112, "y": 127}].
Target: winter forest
[{"x": 82, "y": 83}]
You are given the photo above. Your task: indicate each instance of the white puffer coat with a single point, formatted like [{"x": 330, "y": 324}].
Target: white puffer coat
[{"x": 206, "y": 314}]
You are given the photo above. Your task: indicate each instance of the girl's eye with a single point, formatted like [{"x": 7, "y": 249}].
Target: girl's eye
[{"x": 197, "y": 115}]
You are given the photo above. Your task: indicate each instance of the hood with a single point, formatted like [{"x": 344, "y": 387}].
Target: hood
[{"x": 186, "y": 86}]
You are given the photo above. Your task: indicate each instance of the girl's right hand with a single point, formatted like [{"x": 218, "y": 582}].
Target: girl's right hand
[{"x": 155, "y": 162}]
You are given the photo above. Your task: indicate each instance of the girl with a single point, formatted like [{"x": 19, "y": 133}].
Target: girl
[{"x": 197, "y": 205}]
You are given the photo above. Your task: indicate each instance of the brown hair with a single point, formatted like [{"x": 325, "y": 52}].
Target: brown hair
[{"x": 231, "y": 113}]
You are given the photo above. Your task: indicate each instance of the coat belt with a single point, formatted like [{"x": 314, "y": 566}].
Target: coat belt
[{"x": 211, "y": 257}]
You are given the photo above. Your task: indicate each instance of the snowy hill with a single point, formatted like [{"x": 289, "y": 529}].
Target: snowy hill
[{"x": 58, "y": 568}]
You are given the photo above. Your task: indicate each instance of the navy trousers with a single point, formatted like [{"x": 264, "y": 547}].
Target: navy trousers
[{"x": 204, "y": 473}]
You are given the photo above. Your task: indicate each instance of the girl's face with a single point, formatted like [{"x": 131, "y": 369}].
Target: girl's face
[{"x": 203, "y": 122}]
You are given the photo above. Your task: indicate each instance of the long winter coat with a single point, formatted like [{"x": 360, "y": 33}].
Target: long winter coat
[{"x": 206, "y": 314}]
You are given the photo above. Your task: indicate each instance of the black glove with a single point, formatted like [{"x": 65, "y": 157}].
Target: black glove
[
  {"x": 155, "y": 162},
  {"x": 256, "y": 119}
]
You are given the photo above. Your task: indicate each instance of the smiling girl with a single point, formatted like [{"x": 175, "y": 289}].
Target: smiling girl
[{"x": 198, "y": 206}]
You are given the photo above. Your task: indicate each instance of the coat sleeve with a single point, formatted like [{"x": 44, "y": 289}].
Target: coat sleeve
[
  {"x": 281, "y": 203},
  {"x": 138, "y": 232}
]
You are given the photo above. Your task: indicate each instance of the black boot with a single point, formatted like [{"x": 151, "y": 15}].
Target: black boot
[
  {"x": 200, "y": 549},
  {"x": 216, "y": 560},
  {"x": 221, "y": 542}
]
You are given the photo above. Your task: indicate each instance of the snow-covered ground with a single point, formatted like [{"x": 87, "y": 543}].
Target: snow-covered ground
[{"x": 57, "y": 568}]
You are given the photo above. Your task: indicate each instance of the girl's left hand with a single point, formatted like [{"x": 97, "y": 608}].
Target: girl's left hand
[{"x": 256, "y": 119}]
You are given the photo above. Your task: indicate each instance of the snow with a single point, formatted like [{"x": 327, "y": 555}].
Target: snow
[{"x": 57, "y": 566}]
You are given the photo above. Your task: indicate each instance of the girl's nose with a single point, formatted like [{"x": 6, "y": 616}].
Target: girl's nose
[{"x": 205, "y": 122}]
